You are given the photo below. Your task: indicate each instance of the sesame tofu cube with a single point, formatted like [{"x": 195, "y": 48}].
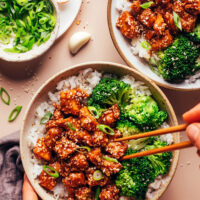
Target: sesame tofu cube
[
  {"x": 116, "y": 149},
  {"x": 64, "y": 148},
  {"x": 74, "y": 180},
  {"x": 41, "y": 150},
  {"x": 47, "y": 181}
]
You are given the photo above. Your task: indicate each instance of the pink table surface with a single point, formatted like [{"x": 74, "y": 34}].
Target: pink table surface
[{"x": 23, "y": 79}]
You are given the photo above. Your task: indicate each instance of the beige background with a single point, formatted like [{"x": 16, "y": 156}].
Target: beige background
[{"x": 21, "y": 80}]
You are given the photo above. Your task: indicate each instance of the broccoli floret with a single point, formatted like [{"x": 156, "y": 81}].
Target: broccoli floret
[
  {"x": 109, "y": 91},
  {"x": 195, "y": 35},
  {"x": 160, "y": 162},
  {"x": 137, "y": 173},
  {"x": 135, "y": 176},
  {"x": 127, "y": 127},
  {"x": 178, "y": 60},
  {"x": 145, "y": 113}
]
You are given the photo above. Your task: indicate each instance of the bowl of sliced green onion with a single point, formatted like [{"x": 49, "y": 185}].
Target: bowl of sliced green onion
[{"x": 28, "y": 28}]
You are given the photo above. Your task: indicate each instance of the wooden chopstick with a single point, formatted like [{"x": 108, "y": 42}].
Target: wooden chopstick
[
  {"x": 159, "y": 150},
  {"x": 172, "y": 129}
]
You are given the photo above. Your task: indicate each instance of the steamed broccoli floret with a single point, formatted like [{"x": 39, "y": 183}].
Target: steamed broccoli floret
[
  {"x": 178, "y": 60},
  {"x": 160, "y": 162},
  {"x": 195, "y": 35},
  {"x": 135, "y": 176},
  {"x": 137, "y": 173},
  {"x": 145, "y": 113},
  {"x": 127, "y": 127},
  {"x": 109, "y": 91}
]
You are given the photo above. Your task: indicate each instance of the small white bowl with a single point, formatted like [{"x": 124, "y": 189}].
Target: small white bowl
[
  {"x": 37, "y": 50},
  {"x": 42, "y": 95}
]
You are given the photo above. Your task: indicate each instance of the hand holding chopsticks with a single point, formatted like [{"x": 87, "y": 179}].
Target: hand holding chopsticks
[{"x": 191, "y": 116}]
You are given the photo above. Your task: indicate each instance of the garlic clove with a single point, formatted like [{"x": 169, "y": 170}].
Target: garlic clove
[{"x": 78, "y": 40}]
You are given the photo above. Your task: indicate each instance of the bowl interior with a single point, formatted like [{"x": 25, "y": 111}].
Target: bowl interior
[
  {"x": 124, "y": 48},
  {"x": 41, "y": 96},
  {"x": 37, "y": 50}
]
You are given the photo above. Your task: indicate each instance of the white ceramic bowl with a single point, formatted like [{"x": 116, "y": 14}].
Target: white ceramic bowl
[
  {"x": 124, "y": 48},
  {"x": 42, "y": 95},
  {"x": 37, "y": 50}
]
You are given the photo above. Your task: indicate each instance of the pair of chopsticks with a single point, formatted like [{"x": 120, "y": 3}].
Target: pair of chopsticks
[{"x": 172, "y": 147}]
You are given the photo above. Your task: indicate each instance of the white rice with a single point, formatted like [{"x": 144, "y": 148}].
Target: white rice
[
  {"x": 87, "y": 80},
  {"x": 136, "y": 44}
]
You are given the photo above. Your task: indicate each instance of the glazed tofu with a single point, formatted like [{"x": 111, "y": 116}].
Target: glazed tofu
[
  {"x": 80, "y": 137},
  {"x": 41, "y": 150},
  {"x": 75, "y": 179},
  {"x": 88, "y": 121},
  {"x": 47, "y": 181},
  {"x": 99, "y": 138},
  {"x": 64, "y": 148},
  {"x": 147, "y": 18},
  {"x": 95, "y": 156},
  {"x": 116, "y": 149},
  {"x": 79, "y": 162},
  {"x": 109, "y": 167},
  {"x": 192, "y": 6},
  {"x": 159, "y": 24},
  {"x": 128, "y": 25},
  {"x": 109, "y": 192},
  {"x": 65, "y": 168},
  {"x": 70, "y": 101},
  {"x": 83, "y": 193},
  {"x": 187, "y": 21},
  {"x": 64, "y": 123},
  {"x": 92, "y": 182},
  {"x": 169, "y": 19},
  {"x": 52, "y": 136},
  {"x": 110, "y": 116}
]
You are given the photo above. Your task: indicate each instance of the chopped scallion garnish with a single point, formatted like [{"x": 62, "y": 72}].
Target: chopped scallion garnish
[
  {"x": 98, "y": 175},
  {"x": 106, "y": 129},
  {"x": 97, "y": 193},
  {"x": 146, "y": 5},
  {"x": 110, "y": 159},
  {"x": 14, "y": 113},
  {"x": 94, "y": 111},
  {"x": 177, "y": 21},
  {"x": 85, "y": 147},
  {"x": 71, "y": 126},
  {"x": 146, "y": 45},
  {"x": 48, "y": 168},
  {"x": 5, "y": 97},
  {"x": 46, "y": 118}
]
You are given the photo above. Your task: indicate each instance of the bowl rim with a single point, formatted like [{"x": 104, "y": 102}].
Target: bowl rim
[
  {"x": 120, "y": 51},
  {"x": 36, "y": 51},
  {"x": 123, "y": 67}
]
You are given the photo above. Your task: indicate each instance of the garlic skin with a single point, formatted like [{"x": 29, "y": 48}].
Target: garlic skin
[
  {"x": 62, "y": 2},
  {"x": 78, "y": 40}
]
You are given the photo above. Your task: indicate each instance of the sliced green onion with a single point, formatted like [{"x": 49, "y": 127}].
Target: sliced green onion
[
  {"x": 153, "y": 62},
  {"x": 177, "y": 21},
  {"x": 146, "y": 45},
  {"x": 106, "y": 129},
  {"x": 22, "y": 2},
  {"x": 146, "y": 5},
  {"x": 110, "y": 159},
  {"x": 98, "y": 175},
  {"x": 85, "y": 147},
  {"x": 94, "y": 112},
  {"x": 3, "y": 5},
  {"x": 14, "y": 113},
  {"x": 47, "y": 168},
  {"x": 71, "y": 126},
  {"x": 7, "y": 99},
  {"x": 97, "y": 193},
  {"x": 46, "y": 118}
]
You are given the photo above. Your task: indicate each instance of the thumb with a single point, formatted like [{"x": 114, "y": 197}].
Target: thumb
[{"x": 193, "y": 132}]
